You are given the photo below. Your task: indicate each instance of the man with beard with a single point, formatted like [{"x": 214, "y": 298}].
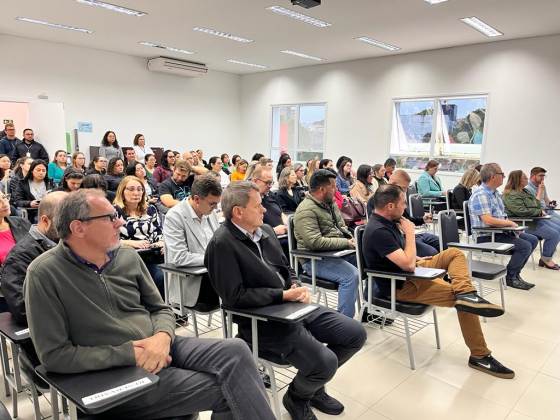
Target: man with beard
[{"x": 41, "y": 238}]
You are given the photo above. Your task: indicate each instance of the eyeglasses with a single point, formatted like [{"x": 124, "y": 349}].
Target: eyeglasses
[
  {"x": 541, "y": 175},
  {"x": 500, "y": 173},
  {"x": 267, "y": 183},
  {"x": 137, "y": 189},
  {"x": 112, "y": 217},
  {"x": 6, "y": 197}
]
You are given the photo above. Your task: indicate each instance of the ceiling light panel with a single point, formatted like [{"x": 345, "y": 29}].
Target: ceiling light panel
[
  {"x": 299, "y": 16},
  {"x": 310, "y": 57},
  {"x": 164, "y": 47},
  {"x": 54, "y": 25},
  {"x": 112, "y": 7},
  {"x": 247, "y": 64},
  {"x": 376, "y": 43},
  {"x": 481, "y": 26},
  {"x": 222, "y": 34},
  {"x": 435, "y": 1}
]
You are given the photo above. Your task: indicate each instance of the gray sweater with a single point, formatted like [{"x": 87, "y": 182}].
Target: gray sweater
[
  {"x": 110, "y": 152},
  {"x": 81, "y": 321}
]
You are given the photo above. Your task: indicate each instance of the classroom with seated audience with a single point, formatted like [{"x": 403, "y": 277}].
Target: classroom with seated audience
[{"x": 275, "y": 210}]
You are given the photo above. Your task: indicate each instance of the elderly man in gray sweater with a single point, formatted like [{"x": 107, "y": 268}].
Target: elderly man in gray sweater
[{"x": 92, "y": 305}]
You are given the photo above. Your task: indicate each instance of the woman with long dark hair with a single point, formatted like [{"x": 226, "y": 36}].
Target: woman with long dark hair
[
  {"x": 140, "y": 148},
  {"x": 97, "y": 166},
  {"x": 285, "y": 161},
  {"x": 110, "y": 146},
  {"x": 150, "y": 185},
  {"x": 58, "y": 166},
  {"x": 215, "y": 164},
  {"x": 165, "y": 169},
  {"x": 115, "y": 173},
  {"x": 288, "y": 197},
  {"x": 31, "y": 190},
  {"x": 363, "y": 187},
  {"x": 344, "y": 178},
  {"x": 226, "y": 165},
  {"x": 150, "y": 165}
]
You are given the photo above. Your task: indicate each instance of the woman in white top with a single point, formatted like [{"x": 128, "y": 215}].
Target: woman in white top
[
  {"x": 215, "y": 164},
  {"x": 140, "y": 148}
]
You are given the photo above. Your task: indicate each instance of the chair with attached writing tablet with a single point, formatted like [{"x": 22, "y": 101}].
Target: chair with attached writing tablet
[
  {"x": 179, "y": 308},
  {"x": 318, "y": 285},
  {"x": 390, "y": 307},
  {"x": 479, "y": 270},
  {"x": 286, "y": 312}
]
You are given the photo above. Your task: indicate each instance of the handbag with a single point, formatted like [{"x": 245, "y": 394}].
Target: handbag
[{"x": 353, "y": 209}]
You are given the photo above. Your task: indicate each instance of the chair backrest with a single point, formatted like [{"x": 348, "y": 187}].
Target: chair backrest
[
  {"x": 467, "y": 219},
  {"x": 360, "y": 260},
  {"x": 292, "y": 243},
  {"x": 449, "y": 198},
  {"x": 9, "y": 186},
  {"x": 410, "y": 190},
  {"x": 448, "y": 228},
  {"x": 416, "y": 205}
]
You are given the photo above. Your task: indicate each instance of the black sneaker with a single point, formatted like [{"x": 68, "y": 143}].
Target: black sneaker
[
  {"x": 325, "y": 403},
  {"x": 265, "y": 378},
  {"x": 491, "y": 366},
  {"x": 474, "y": 304},
  {"x": 517, "y": 283},
  {"x": 531, "y": 285},
  {"x": 298, "y": 410},
  {"x": 376, "y": 319}
]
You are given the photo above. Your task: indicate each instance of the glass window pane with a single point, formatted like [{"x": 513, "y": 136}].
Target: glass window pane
[
  {"x": 411, "y": 128},
  {"x": 411, "y": 162},
  {"x": 304, "y": 156},
  {"x": 461, "y": 127},
  {"x": 283, "y": 126},
  {"x": 311, "y": 128}
]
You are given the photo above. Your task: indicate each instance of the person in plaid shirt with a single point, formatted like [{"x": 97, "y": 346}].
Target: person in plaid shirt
[{"x": 487, "y": 210}]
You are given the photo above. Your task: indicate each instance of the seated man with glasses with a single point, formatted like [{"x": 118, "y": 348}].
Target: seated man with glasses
[
  {"x": 76, "y": 327},
  {"x": 487, "y": 209},
  {"x": 537, "y": 187},
  {"x": 188, "y": 228},
  {"x": 274, "y": 216}
]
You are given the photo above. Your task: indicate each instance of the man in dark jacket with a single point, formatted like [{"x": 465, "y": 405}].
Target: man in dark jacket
[
  {"x": 9, "y": 142},
  {"x": 248, "y": 269},
  {"x": 40, "y": 238},
  {"x": 427, "y": 244},
  {"x": 29, "y": 147}
]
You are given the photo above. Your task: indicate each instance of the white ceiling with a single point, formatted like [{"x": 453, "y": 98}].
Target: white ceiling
[{"x": 412, "y": 25}]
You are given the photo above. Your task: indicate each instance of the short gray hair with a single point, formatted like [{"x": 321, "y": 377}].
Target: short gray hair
[
  {"x": 487, "y": 171},
  {"x": 49, "y": 204},
  {"x": 237, "y": 194},
  {"x": 74, "y": 207},
  {"x": 284, "y": 176}
]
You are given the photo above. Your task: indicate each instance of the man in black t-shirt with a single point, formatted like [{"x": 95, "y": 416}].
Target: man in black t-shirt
[
  {"x": 178, "y": 186},
  {"x": 389, "y": 245}
]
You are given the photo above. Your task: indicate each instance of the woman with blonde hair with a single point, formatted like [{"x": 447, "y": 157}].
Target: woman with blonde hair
[
  {"x": 520, "y": 202},
  {"x": 251, "y": 168},
  {"x": 79, "y": 162},
  {"x": 141, "y": 227},
  {"x": 301, "y": 182},
  {"x": 310, "y": 169},
  {"x": 463, "y": 191},
  {"x": 240, "y": 170}
]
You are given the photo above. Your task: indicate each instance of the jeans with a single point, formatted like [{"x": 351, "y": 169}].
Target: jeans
[
  {"x": 301, "y": 344},
  {"x": 344, "y": 272},
  {"x": 550, "y": 235},
  {"x": 205, "y": 374},
  {"x": 524, "y": 246},
  {"x": 427, "y": 245},
  {"x": 157, "y": 277}
]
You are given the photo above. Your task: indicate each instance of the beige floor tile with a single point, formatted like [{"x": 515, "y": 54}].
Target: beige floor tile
[
  {"x": 514, "y": 415},
  {"x": 536, "y": 301},
  {"x": 370, "y": 377},
  {"x": 540, "y": 401},
  {"x": 372, "y": 415},
  {"x": 451, "y": 366},
  {"x": 533, "y": 324},
  {"x": 518, "y": 348},
  {"x": 432, "y": 399},
  {"x": 552, "y": 365}
]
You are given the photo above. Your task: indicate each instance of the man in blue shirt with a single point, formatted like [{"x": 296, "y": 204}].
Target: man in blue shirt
[{"x": 487, "y": 210}]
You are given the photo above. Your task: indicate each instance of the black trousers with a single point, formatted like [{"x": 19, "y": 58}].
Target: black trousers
[{"x": 301, "y": 344}]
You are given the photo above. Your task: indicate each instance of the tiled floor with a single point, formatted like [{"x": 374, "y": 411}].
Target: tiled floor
[{"x": 377, "y": 384}]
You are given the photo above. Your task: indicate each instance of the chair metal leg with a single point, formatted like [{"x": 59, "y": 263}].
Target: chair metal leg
[
  {"x": 224, "y": 324},
  {"x": 35, "y": 397},
  {"x": 502, "y": 283},
  {"x": 436, "y": 328},
  {"x": 481, "y": 295},
  {"x": 533, "y": 261},
  {"x": 275, "y": 398},
  {"x": 54, "y": 404},
  {"x": 5, "y": 364},
  {"x": 408, "y": 343},
  {"x": 14, "y": 402},
  {"x": 325, "y": 298},
  {"x": 210, "y": 319},
  {"x": 73, "y": 410},
  {"x": 195, "y": 323}
]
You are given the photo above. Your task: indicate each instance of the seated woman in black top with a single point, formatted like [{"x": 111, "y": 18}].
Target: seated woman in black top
[
  {"x": 463, "y": 191},
  {"x": 288, "y": 197},
  {"x": 31, "y": 190},
  {"x": 115, "y": 173},
  {"x": 97, "y": 165}
]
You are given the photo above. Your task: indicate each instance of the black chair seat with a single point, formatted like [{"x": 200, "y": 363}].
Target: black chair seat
[
  {"x": 265, "y": 354},
  {"x": 104, "y": 417},
  {"x": 487, "y": 271},
  {"x": 322, "y": 283},
  {"x": 28, "y": 370},
  {"x": 408, "y": 308},
  {"x": 205, "y": 307}
]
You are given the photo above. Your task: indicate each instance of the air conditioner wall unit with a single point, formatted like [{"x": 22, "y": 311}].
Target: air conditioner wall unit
[{"x": 176, "y": 67}]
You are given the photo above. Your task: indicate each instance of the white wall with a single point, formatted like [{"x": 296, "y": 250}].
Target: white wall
[
  {"x": 116, "y": 92},
  {"x": 522, "y": 76}
]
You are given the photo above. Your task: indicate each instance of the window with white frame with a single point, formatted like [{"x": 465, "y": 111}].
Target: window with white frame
[
  {"x": 298, "y": 130},
  {"x": 447, "y": 129}
]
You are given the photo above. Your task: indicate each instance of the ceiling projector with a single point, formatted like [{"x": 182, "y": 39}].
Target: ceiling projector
[{"x": 308, "y": 4}]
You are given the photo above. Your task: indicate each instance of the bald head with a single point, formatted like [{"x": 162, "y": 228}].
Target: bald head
[
  {"x": 47, "y": 209},
  {"x": 400, "y": 178}
]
